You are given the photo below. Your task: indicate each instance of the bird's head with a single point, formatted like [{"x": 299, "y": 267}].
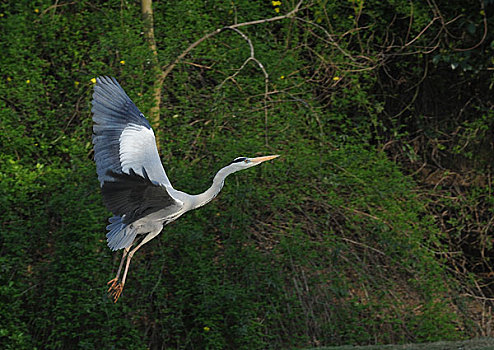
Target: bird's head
[{"x": 241, "y": 163}]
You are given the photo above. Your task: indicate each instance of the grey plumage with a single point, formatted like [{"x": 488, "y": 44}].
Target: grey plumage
[
  {"x": 116, "y": 118},
  {"x": 133, "y": 181},
  {"x": 112, "y": 111},
  {"x": 134, "y": 196}
]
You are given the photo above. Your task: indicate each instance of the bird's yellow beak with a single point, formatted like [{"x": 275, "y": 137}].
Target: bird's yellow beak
[{"x": 263, "y": 159}]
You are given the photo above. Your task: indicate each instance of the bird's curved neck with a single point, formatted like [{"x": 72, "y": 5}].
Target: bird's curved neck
[{"x": 203, "y": 198}]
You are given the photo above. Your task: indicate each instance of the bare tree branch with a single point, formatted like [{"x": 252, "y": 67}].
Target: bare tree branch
[
  {"x": 172, "y": 65},
  {"x": 253, "y": 58}
]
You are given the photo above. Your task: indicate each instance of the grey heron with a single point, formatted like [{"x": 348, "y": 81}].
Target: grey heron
[{"x": 133, "y": 182}]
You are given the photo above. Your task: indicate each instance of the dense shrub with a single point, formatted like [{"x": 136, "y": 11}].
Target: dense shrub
[{"x": 345, "y": 239}]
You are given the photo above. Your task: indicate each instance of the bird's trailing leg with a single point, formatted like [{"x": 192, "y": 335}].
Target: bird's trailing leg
[
  {"x": 115, "y": 287},
  {"x": 146, "y": 239}
]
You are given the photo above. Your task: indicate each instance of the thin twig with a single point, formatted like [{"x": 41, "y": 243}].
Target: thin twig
[
  {"x": 253, "y": 58},
  {"x": 363, "y": 245},
  {"x": 172, "y": 65},
  {"x": 485, "y": 30}
]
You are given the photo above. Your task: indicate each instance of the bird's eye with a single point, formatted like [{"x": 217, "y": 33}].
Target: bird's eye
[
  {"x": 246, "y": 161},
  {"x": 239, "y": 159}
]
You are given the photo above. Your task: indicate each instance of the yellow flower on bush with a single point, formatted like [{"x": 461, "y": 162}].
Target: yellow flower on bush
[
  {"x": 28, "y": 81},
  {"x": 76, "y": 83},
  {"x": 275, "y": 5},
  {"x": 122, "y": 62},
  {"x": 206, "y": 329},
  {"x": 336, "y": 78},
  {"x": 93, "y": 80},
  {"x": 36, "y": 10}
]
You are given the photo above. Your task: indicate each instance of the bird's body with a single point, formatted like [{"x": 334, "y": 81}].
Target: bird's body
[{"x": 133, "y": 182}]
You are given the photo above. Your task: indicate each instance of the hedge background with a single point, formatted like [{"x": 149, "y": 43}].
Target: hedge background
[{"x": 374, "y": 226}]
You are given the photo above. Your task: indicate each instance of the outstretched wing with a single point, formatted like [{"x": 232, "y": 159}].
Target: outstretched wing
[{"x": 123, "y": 138}]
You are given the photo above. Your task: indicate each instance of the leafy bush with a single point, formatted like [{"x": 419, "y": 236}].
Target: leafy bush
[{"x": 343, "y": 239}]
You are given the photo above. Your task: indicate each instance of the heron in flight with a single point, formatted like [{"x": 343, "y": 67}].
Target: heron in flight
[{"x": 133, "y": 181}]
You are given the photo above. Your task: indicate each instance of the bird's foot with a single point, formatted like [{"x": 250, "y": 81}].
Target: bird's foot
[
  {"x": 115, "y": 289},
  {"x": 113, "y": 282}
]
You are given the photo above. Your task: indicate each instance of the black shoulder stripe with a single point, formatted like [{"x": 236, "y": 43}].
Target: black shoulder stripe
[{"x": 133, "y": 195}]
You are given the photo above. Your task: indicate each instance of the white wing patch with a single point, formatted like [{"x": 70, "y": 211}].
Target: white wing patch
[{"x": 138, "y": 150}]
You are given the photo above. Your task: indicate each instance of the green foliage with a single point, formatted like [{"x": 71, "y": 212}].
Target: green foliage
[{"x": 332, "y": 243}]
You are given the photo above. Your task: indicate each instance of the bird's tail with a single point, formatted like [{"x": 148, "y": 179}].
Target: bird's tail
[{"x": 120, "y": 235}]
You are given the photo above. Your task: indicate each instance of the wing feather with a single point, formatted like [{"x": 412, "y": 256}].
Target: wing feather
[
  {"x": 123, "y": 138},
  {"x": 133, "y": 196}
]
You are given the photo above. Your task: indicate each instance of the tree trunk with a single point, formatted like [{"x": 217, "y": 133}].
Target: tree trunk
[{"x": 147, "y": 15}]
